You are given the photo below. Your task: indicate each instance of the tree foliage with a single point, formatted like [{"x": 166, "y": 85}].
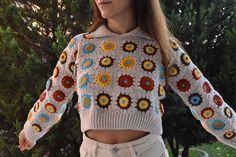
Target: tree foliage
[
  {"x": 33, "y": 34},
  {"x": 206, "y": 29}
]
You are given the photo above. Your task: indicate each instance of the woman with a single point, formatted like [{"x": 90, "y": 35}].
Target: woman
[{"x": 120, "y": 77}]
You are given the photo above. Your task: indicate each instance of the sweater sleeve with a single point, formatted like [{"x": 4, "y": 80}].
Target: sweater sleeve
[
  {"x": 52, "y": 102},
  {"x": 205, "y": 103}
]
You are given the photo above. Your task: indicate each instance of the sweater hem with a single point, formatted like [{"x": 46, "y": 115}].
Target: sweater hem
[{"x": 116, "y": 120}]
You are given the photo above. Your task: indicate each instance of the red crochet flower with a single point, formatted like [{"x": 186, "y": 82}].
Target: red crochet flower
[{"x": 183, "y": 85}]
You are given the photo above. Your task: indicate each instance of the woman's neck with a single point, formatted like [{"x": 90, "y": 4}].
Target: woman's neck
[{"x": 122, "y": 23}]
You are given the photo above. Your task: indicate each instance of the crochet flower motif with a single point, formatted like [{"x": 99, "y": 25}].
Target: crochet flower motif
[
  {"x": 50, "y": 108},
  {"x": 103, "y": 100},
  {"x": 127, "y": 62},
  {"x": 195, "y": 99},
  {"x": 183, "y": 85},
  {"x": 147, "y": 83},
  {"x": 43, "y": 118},
  {"x": 87, "y": 63},
  {"x": 49, "y": 84},
  {"x": 161, "y": 90},
  {"x": 185, "y": 59},
  {"x": 103, "y": 79},
  {"x": 173, "y": 70},
  {"x": 84, "y": 80},
  {"x": 72, "y": 67},
  {"x": 206, "y": 87},
  {"x": 124, "y": 101},
  {"x": 29, "y": 117},
  {"x": 89, "y": 48},
  {"x": 228, "y": 112},
  {"x": 108, "y": 46},
  {"x": 36, "y": 127},
  {"x": 229, "y": 135},
  {"x": 125, "y": 81},
  {"x": 162, "y": 72},
  {"x": 36, "y": 106},
  {"x": 150, "y": 50},
  {"x": 173, "y": 44},
  {"x": 207, "y": 113},
  {"x": 129, "y": 46},
  {"x": 148, "y": 65},
  {"x": 217, "y": 100},
  {"x": 55, "y": 72},
  {"x": 196, "y": 73},
  {"x": 143, "y": 104},
  {"x": 67, "y": 82},
  {"x": 58, "y": 95},
  {"x": 106, "y": 61},
  {"x": 86, "y": 101},
  {"x": 218, "y": 124},
  {"x": 63, "y": 57}
]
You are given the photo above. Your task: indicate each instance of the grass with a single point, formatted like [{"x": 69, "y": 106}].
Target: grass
[{"x": 216, "y": 149}]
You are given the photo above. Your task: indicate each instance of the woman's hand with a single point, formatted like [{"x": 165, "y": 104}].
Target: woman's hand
[{"x": 24, "y": 143}]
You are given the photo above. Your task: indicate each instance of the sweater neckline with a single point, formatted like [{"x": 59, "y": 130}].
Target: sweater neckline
[{"x": 103, "y": 31}]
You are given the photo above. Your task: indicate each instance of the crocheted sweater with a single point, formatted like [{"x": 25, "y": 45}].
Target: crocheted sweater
[{"x": 119, "y": 81}]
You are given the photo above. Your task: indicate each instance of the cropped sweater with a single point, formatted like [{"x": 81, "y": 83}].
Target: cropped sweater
[{"x": 119, "y": 81}]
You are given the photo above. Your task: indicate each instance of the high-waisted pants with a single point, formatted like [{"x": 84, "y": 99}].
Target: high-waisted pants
[{"x": 151, "y": 145}]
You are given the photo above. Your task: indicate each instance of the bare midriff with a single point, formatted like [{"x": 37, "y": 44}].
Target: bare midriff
[{"x": 115, "y": 136}]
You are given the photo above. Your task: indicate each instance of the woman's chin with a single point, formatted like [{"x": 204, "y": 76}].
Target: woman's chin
[{"x": 106, "y": 14}]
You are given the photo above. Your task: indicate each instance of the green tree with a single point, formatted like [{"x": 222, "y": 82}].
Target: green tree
[
  {"x": 201, "y": 26},
  {"x": 32, "y": 35}
]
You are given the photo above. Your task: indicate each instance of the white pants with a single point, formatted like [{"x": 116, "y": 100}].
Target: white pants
[{"x": 151, "y": 145}]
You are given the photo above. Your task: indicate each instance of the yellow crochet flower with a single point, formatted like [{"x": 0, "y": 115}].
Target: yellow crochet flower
[
  {"x": 207, "y": 113},
  {"x": 29, "y": 117},
  {"x": 127, "y": 62},
  {"x": 148, "y": 65},
  {"x": 143, "y": 104},
  {"x": 55, "y": 72},
  {"x": 36, "y": 127},
  {"x": 185, "y": 59},
  {"x": 174, "y": 45},
  {"x": 106, "y": 62},
  {"x": 161, "y": 90},
  {"x": 196, "y": 73},
  {"x": 108, "y": 46},
  {"x": 63, "y": 57},
  {"x": 229, "y": 135},
  {"x": 50, "y": 108},
  {"x": 124, "y": 101},
  {"x": 104, "y": 100},
  {"x": 129, "y": 47},
  {"x": 150, "y": 49},
  {"x": 173, "y": 70},
  {"x": 103, "y": 79}
]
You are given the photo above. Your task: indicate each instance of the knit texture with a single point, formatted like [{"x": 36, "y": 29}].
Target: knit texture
[{"x": 119, "y": 81}]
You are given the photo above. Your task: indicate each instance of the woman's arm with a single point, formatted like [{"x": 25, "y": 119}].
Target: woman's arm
[
  {"x": 207, "y": 105},
  {"x": 52, "y": 102}
]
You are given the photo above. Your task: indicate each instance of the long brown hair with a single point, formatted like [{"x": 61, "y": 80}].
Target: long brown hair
[{"x": 151, "y": 19}]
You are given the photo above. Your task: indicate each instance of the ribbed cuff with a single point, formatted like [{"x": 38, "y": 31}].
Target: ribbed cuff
[{"x": 30, "y": 133}]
